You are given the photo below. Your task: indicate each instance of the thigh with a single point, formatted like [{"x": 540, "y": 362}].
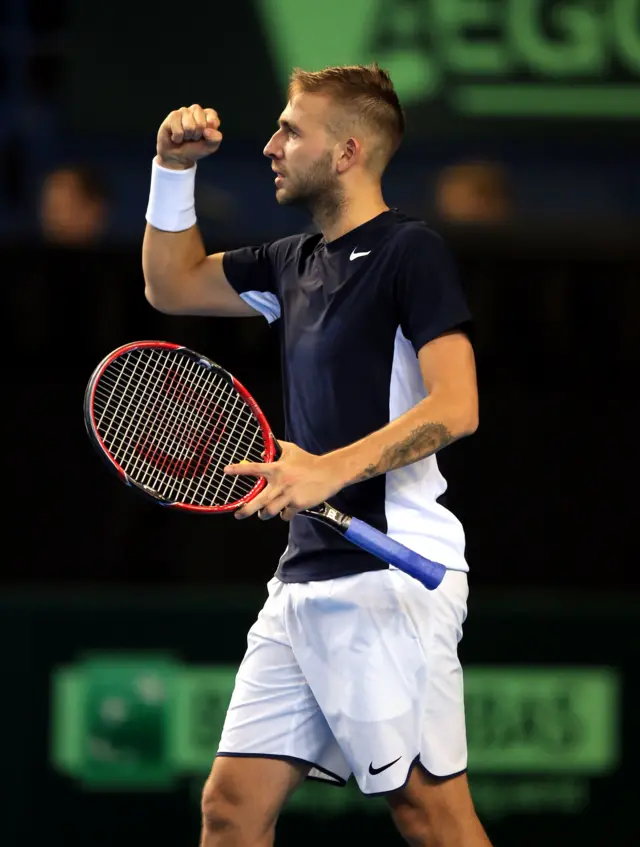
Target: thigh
[
  {"x": 438, "y": 811},
  {"x": 433, "y": 796},
  {"x": 247, "y": 794}
]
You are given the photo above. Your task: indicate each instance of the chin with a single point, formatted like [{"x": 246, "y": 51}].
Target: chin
[{"x": 283, "y": 198}]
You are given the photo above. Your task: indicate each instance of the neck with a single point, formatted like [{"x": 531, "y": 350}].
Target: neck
[{"x": 349, "y": 214}]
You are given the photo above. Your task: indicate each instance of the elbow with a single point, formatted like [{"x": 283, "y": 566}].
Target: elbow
[
  {"x": 459, "y": 416},
  {"x": 465, "y": 421},
  {"x": 159, "y": 301},
  {"x": 471, "y": 421},
  {"x": 471, "y": 425}
]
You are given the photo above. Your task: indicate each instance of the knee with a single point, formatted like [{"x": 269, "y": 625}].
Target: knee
[
  {"x": 415, "y": 826},
  {"x": 438, "y": 815},
  {"x": 222, "y": 809},
  {"x": 430, "y": 818}
]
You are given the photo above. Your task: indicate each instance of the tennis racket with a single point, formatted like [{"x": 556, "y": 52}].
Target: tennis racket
[{"x": 168, "y": 421}]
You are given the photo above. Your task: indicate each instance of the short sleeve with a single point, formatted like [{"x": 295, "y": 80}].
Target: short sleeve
[
  {"x": 252, "y": 273},
  {"x": 428, "y": 293}
]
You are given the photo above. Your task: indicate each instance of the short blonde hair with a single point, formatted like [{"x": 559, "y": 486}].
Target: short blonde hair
[{"x": 366, "y": 94}]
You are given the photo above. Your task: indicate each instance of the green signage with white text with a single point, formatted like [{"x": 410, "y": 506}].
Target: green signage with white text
[
  {"x": 552, "y": 59},
  {"x": 145, "y": 721}
]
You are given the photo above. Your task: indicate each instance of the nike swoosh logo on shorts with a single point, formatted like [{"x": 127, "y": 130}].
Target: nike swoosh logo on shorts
[
  {"x": 355, "y": 255},
  {"x": 373, "y": 771}
]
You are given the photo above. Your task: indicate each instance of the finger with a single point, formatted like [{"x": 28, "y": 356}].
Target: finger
[
  {"x": 212, "y": 136},
  {"x": 262, "y": 501},
  {"x": 250, "y": 469},
  {"x": 176, "y": 131},
  {"x": 199, "y": 119},
  {"x": 289, "y": 513},
  {"x": 274, "y": 508},
  {"x": 212, "y": 119},
  {"x": 212, "y": 126},
  {"x": 188, "y": 124}
]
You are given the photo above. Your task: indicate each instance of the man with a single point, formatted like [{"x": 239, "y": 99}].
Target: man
[{"x": 352, "y": 666}]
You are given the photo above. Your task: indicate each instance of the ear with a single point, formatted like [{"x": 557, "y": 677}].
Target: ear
[{"x": 351, "y": 153}]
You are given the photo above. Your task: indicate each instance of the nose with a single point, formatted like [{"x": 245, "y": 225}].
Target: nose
[{"x": 272, "y": 149}]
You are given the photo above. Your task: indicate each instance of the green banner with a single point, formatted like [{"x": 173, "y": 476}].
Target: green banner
[
  {"x": 145, "y": 721},
  {"x": 542, "y": 720},
  {"x": 555, "y": 59}
]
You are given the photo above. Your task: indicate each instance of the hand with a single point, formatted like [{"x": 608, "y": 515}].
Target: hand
[
  {"x": 298, "y": 480},
  {"x": 186, "y": 135}
]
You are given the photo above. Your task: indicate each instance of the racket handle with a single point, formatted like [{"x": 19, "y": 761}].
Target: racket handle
[{"x": 429, "y": 573}]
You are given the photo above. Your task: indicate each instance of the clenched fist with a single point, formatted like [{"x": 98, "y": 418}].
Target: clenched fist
[{"x": 186, "y": 135}]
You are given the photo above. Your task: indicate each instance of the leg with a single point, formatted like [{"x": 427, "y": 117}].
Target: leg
[
  {"x": 436, "y": 812},
  {"x": 380, "y": 653},
  {"x": 273, "y": 736},
  {"x": 242, "y": 799}
]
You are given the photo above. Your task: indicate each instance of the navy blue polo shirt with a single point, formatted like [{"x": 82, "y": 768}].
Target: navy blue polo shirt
[{"x": 353, "y": 314}]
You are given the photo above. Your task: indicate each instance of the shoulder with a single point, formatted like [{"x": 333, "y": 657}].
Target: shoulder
[
  {"x": 411, "y": 234},
  {"x": 418, "y": 250}
]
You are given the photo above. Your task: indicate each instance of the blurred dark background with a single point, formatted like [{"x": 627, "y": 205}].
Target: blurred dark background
[{"x": 523, "y": 151}]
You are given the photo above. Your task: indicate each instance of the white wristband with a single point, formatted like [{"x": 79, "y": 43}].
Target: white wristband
[{"x": 171, "y": 198}]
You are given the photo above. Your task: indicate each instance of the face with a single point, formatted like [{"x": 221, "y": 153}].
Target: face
[
  {"x": 67, "y": 216},
  {"x": 304, "y": 155},
  {"x": 467, "y": 199}
]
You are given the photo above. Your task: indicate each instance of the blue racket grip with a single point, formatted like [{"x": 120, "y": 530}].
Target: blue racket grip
[{"x": 429, "y": 573}]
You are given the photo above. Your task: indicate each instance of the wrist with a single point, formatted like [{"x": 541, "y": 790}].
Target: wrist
[
  {"x": 339, "y": 466},
  {"x": 171, "y": 205},
  {"x": 174, "y": 164}
]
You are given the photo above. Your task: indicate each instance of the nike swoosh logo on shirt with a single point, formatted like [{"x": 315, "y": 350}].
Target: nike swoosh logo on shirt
[
  {"x": 355, "y": 255},
  {"x": 373, "y": 771}
]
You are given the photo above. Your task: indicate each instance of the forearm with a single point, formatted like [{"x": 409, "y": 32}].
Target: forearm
[
  {"x": 172, "y": 244},
  {"x": 426, "y": 428}
]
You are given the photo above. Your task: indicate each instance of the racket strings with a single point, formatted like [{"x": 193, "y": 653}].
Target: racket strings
[
  {"x": 160, "y": 465},
  {"x": 186, "y": 420},
  {"x": 107, "y": 387},
  {"x": 173, "y": 424}
]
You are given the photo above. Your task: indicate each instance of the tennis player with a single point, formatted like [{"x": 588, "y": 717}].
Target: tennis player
[{"x": 351, "y": 666}]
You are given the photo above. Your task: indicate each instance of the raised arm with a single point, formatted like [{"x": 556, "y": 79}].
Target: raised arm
[{"x": 179, "y": 276}]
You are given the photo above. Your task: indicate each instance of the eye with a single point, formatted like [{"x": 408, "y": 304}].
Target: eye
[{"x": 292, "y": 133}]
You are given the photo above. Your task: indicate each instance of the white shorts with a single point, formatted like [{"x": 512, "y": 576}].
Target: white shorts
[{"x": 355, "y": 675}]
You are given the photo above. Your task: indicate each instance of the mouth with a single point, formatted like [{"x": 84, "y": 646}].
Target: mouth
[{"x": 279, "y": 177}]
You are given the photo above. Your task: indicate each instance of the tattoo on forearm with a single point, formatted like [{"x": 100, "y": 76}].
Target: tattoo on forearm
[{"x": 421, "y": 442}]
